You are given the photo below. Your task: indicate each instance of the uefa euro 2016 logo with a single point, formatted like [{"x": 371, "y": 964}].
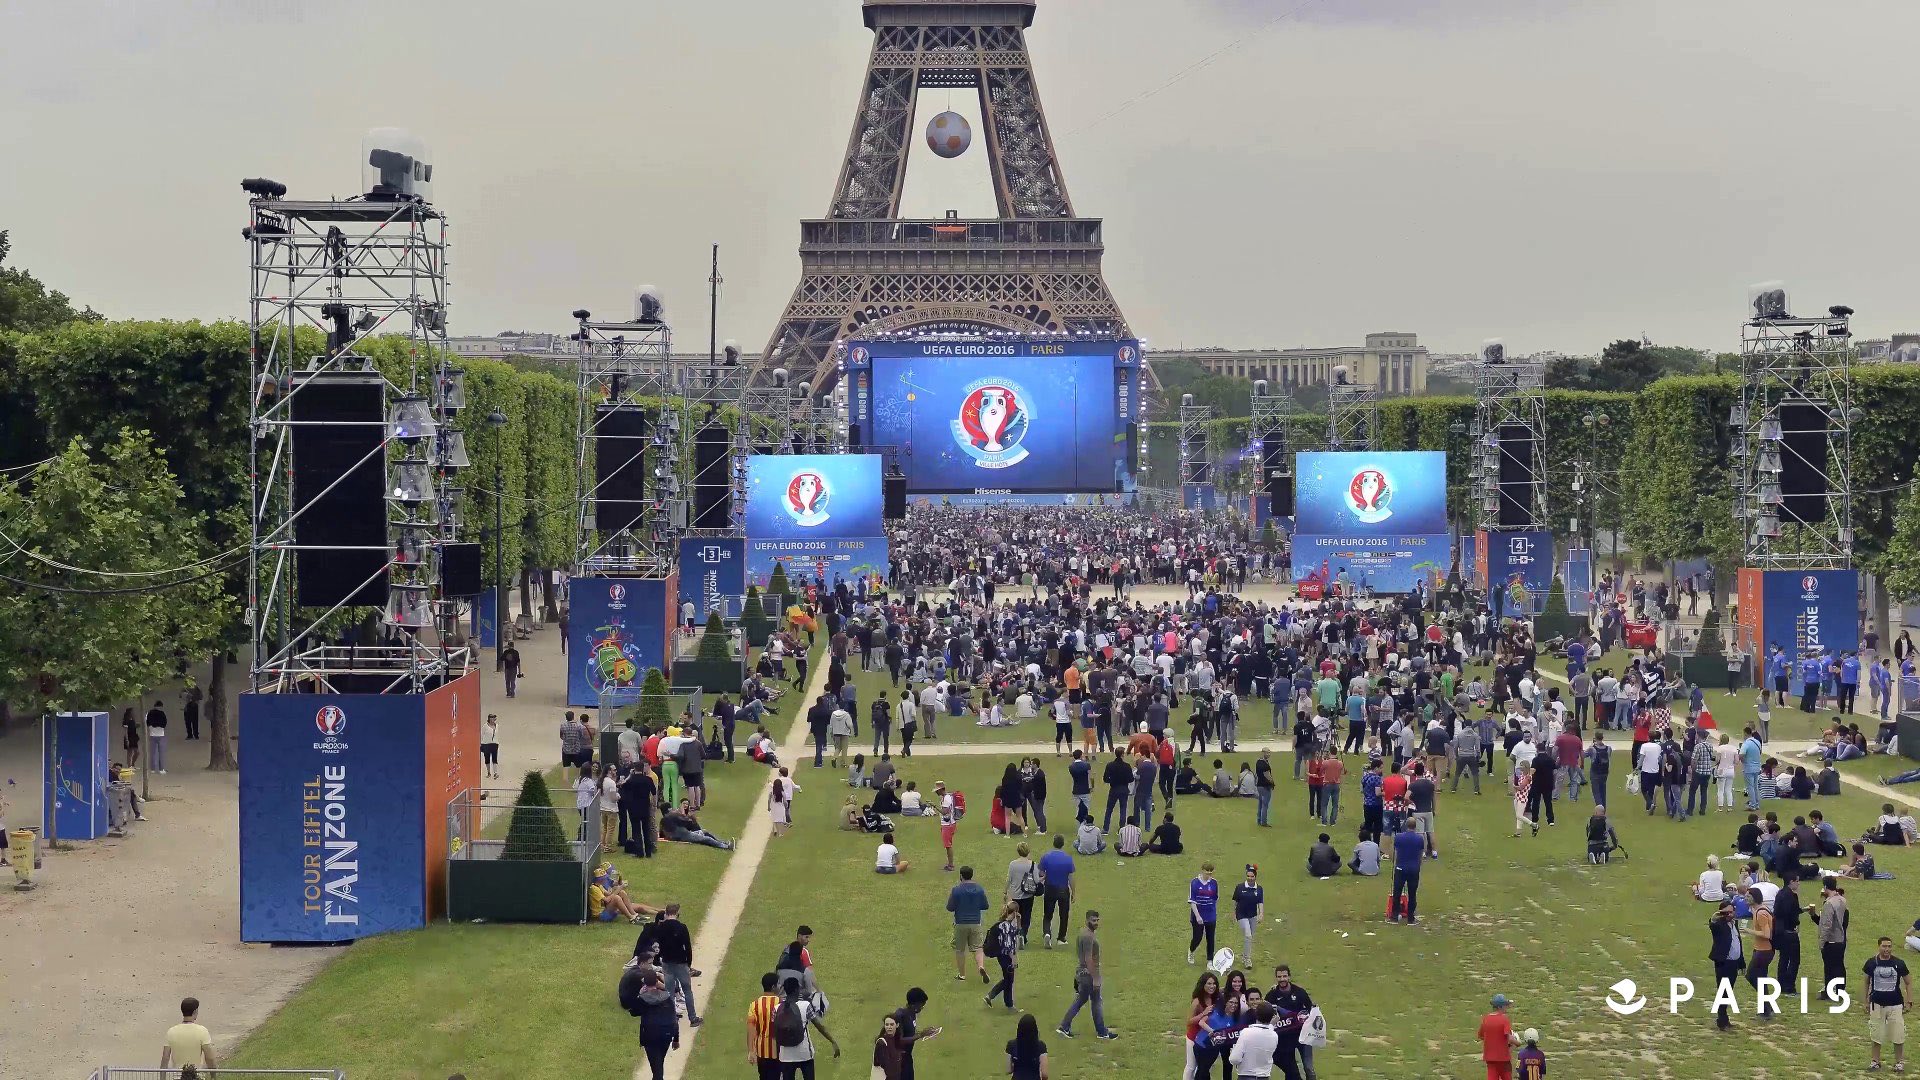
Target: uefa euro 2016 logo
[
  {"x": 993, "y": 422},
  {"x": 331, "y": 720},
  {"x": 807, "y": 499},
  {"x": 1370, "y": 495}
]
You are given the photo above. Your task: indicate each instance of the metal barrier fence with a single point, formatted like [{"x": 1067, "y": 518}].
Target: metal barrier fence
[
  {"x": 148, "y": 1073},
  {"x": 128, "y": 1072}
]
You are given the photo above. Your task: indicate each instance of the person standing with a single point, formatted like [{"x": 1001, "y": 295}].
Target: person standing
[
  {"x": 190, "y": 712},
  {"x": 157, "y": 738},
  {"x": 1087, "y": 978},
  {"x": 1725, "y": 954},
  {"x": 187, "y": 1043},
  {"x": 1056, "y": 875},
  {"x": 1761, "y": 928},
  {"x": 1599, "y": 763},
  {"x": 1080, "y": 773},
  {"x": 1290, "y": 1003},
  {"x": 763, "y": 1053},
  {"x": 1786, "y": 933},
  {"x": 575, "y": 751},
  {"x": 1203, "y": 907},
  {"x": 796, "y": 1058},
  {"x": 1263, "y": 789},
  {"x": 725, "y": 714},
  {"x": 819, "y": 721},
  {"x": 1497, "y": 1040},
  {"x": 1004, "y": 939},
  {"x": 1834, "y": 918},
  {"x": 1332, "y": 770},
  {"x": 949, "y": 818},
  {"x": 676, "y": 958},
  {"x": 1540, "y": 789},
  {"x": 639, "y": 795},
  {"x": 1409, "y": 847},
  {"x": 907, "y": 1017},
  {"x": 1751, "y": 761},
  {"x": 1249, "y": 907},
  {"x": 1119, "y": 780},
  {"x": 510, "y": 665},
  {"x": 1889, "y": 996},
  {"x": 659, "y": 1024},
  {"x": 490, "y": 747},
  {"x": 1254, "y": 1053},
  {"x": 967, "y": 901}
]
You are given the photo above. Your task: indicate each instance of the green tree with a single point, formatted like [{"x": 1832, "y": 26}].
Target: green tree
[
  {"x": 27, "y": 304},
  {"x": 656, "y": 705},
  {"x": 152, "y": 601},
  {"x": 1900, "y": 565},
  {"x": 186, "y": 385},
  {"x": 535, "y": 833},
  {"x": 713, "y": 640},
  {"x": 549, "y": 524}
]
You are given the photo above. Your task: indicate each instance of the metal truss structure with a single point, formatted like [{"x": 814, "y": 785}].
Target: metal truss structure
[
  {"x": 1267, "y": 434},
  {"x": 1509, "y": 425},
  {"x": 865, "y": 270},
  {"x": 1196, "y": 456},
  {"x": 1353, "y": 415},
  {"x": 1792, "y": 440},
  {"x": 352, "y": 269},
  {"x": 619, "y": 365}
]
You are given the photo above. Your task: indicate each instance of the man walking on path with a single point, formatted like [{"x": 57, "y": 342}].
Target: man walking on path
[
  {"x": 187, "y": 1043},
  {"x": 676, "y": 956},
  {"x": 510, "y": 665},
  {"x": 1056, "y": 872},
  {"x": 967, "y": 901},
  {"x": 1409, "y": 847},
  {"x": 1086, "y": 982}
]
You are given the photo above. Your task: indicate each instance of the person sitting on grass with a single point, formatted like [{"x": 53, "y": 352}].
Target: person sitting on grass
[
  {"x": 761, "y": 749},
  {"x": 680, "y": 825},
  {"x": 1248, "y": 787},
  {"x": 1166, "y": 838},
  {"x": 1712, "y": 885},
  {"x": 1127, "y": 845},
  {"x": 1366, "y": 856},
  {"x": 1890, "y": 829},
  {"x": 1801, "y": 786},
  {"x": 1088, "y": 840},
  {"x": 910, "y": 802},
  {"x": 886, "y": 858},
  {"x": 1187, "y": 780},
  {"x": 1747, "y": 842},
  {"x": 1223, "y": 786},
  {"x": 1323, "y": 860},
  {"x": 887, "y": 801},
  {"x": 850, "y": 817},
  {"x": 607, "y": 898}
]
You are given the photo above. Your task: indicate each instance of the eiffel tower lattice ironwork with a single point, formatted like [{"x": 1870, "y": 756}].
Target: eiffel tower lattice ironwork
[{"x": 865, "y": 270}]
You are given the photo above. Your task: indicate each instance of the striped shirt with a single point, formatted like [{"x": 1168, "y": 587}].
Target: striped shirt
[{"x": 760, "y": 1027}]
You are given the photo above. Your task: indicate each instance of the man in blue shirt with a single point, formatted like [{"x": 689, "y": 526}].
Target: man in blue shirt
[
  {"x": 968, "y": 901},
  {"x": 1777, "y": 675},
  {"x": 1811, "y": 672},
  {"x": 1203, "y": 908},
  {"x": 1849, "y": 681},
  {"x": 1409, "y": 847},
  {"x": 1056, "y": 867},
  {"x": 1750, "y": 762},
  {"x": 1081, "y": 772}
]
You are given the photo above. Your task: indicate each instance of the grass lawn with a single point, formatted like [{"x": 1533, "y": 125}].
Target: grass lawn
[
  {"x": 1527, "y": 917},
  {"x": 523, "y": 1001}
]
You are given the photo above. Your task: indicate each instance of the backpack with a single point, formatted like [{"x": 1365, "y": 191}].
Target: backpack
[
  {"x": 992, "y": 946},
  {"x": 789, "y": 1027},
  {"x": 959, "y": 805}
]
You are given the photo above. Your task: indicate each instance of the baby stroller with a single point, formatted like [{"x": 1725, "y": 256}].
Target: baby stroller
[{"x": 1603, "y": 843}]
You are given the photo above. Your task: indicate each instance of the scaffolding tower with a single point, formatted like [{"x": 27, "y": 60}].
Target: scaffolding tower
[
  {"x": 1268, "y": 435},
  {"x": 629, "y": 366},
  {"x": 1509, "y": 436},
  {"x": 1792, "y": 437},
  {"x": 1353, "y": 414},
  {"x": 1196, "y": 457},
  {"x": 348, "y": 270}
]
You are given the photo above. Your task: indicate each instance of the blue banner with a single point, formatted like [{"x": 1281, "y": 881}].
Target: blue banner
[
  {"x": 332, "y": 815},
  {"x": 1372, "y": 520},
  {"x": 618, "y": 629},
  {"x": 1520, "y": 570},
  {"x": 73, "y": 756},
  {"x": 713, "y": 574},
  {"x": 1810, "y": 613},
  {"x": 1579, "y": 578},
  {"x": 483, "y": 619},
  {"x": 1197, "y": 496},
  {"x": 1016, "y": 415}
]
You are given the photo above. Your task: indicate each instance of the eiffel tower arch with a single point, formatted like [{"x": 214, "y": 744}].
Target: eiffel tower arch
[{"x": 864, "y": 269}]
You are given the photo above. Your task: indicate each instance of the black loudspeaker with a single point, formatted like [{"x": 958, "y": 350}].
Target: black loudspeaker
[
  {"x": 460, "y": 570},
  {"x": 894, "y": 485},
  {"x": 619, "y": 467},
  {"x": 712, "y": 478},
  {"x": 1516, "y": 476},
  {"x": 853, "y": 435},
  {"x": 339, "y": 489},
  {"x": 1280, "y": 495},
  {"x": 1133, "y": 447},
  {"x": 1803, "y": 464}
]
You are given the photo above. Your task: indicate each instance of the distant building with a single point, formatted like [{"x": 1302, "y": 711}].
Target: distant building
[
  {"x": 1898, "y": 349},
  {"x": 1395, "y": 360},
  {"x": 546, "y": 346}
]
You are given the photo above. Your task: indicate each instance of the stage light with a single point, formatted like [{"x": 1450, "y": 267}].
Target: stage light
[
  {"x": 263, "y": 187},
  {"x": 1493, "y": 351},
  {"x": 397, "y": 166},
  {"x": 1840, "y": 311},
  {"x": 407, "y": 606},
  {"x": 1768, "y": 300},
  {"x": 410, "y": 420},
  {"x": 431, "y": 317},
  {"x": 367, "y": 321},
  {"x": 412, "y": 483},
  {"x": 1855, "y": 415},
  {"x": 1260, "y": 387},
  {"x": 1186, "y": 400},
  {"x": 1737, "y": 417},
  {"x": 449, "y": 448},
  {"x": 582, "y": 314},
  {"x": 730, "y": 354},
  {"x": 453, "y": 389}
]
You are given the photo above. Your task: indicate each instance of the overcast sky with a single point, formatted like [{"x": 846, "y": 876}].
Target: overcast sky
[{"x": 1557, "y": 173}]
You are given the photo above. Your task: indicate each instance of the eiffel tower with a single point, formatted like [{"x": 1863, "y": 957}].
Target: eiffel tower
[{"x": 866, "y": 270}]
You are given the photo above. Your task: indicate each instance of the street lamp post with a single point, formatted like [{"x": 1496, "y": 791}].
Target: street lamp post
[
  {"x": 1595, "y": 421},
  {"x": 497, "y": 420}
]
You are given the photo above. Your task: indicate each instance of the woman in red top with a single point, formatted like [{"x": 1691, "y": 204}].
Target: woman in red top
[{"x": 1206, "y": 993}]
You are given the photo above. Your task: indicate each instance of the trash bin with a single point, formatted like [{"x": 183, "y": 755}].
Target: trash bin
[{"x": 23, "y": 850}]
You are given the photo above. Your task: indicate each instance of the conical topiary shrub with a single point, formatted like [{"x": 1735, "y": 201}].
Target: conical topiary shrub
[
  {"x": 655, "y": 708},
  {"x": 777, "y": 582},
  {"x": 713, "y": 642},
  {"x": 534, "y": 834},
  {"x": 752, "y": 611},
  {"x": 1710, "y": 644}
]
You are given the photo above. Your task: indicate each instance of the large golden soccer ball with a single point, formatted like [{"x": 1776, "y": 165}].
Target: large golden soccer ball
[{"x": 949, "y": 135}]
